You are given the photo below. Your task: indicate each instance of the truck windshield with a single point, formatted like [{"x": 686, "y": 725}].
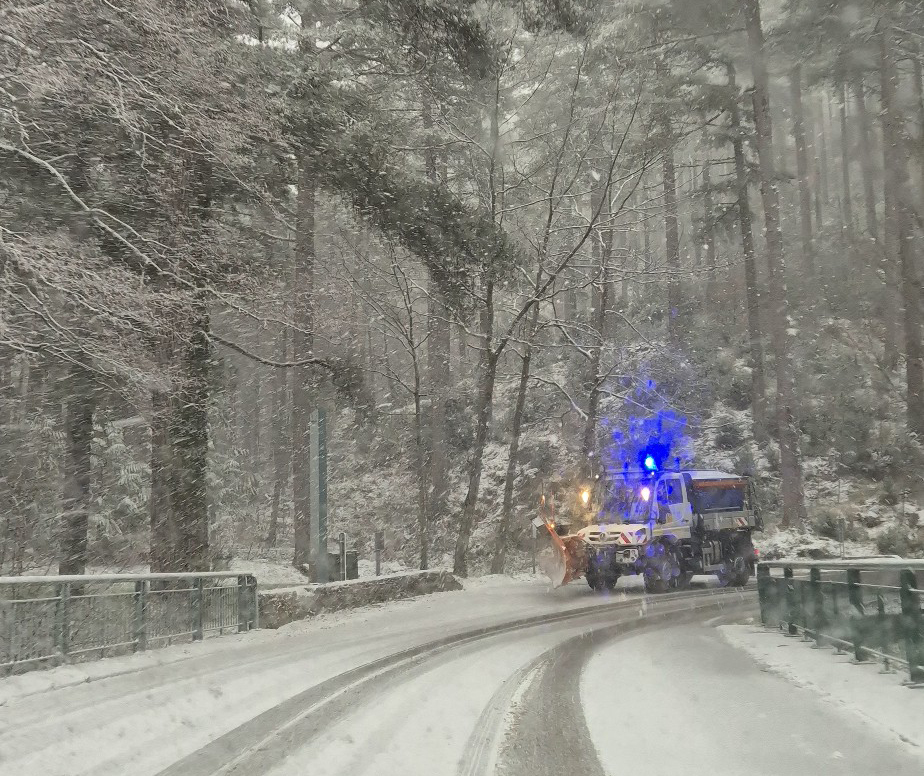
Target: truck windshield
[
  {"x": 719, "y": 497},
  {"x": 640, "y": 508}
]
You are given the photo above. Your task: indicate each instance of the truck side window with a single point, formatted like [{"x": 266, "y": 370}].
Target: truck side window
[
  {"x": 674, "y": 491},
  {"x": 661, "y": 493}
]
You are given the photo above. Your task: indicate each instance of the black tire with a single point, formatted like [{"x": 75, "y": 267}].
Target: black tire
[
  {"x": 661, "y": 570},
  {"x": 654, "y": 582},
  {"x": 593, "y": 580},
  {"x": 684, "y": 580},
  {"x": 598, "y": 580},
  {"x": 735, "y": 574}
]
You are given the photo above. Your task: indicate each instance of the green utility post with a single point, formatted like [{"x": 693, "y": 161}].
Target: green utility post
[
  {"x": 818, "y": 607},
  {"x": 857, "y": 614},
  {"x": 764, "y": 582},
  {"x": 318, "y": 524},
  {"x": 911, "y": 625}
]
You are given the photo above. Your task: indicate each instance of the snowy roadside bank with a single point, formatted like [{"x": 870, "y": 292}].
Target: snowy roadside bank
[
  {"x": 484, "y": 600},
  {"x": 856, "y": 690},
  {"x": 281, "y": 606}
]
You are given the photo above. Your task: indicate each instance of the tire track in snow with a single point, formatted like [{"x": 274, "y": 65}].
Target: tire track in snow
[
  {"x": 548, "y": 734},
  {"x": 483, "y": 745},
  {"x": 265, "y": 741}
]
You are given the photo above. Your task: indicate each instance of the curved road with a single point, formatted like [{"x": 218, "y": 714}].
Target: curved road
[{"x": 513, "y": 681}]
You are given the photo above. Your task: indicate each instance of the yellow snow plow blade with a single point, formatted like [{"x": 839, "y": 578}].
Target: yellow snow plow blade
[{"x": 565, "y": 560}]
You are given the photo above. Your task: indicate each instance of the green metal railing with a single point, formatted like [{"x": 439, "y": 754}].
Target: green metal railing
[
  {"x": 871, "y": 607},
  {"x": 49, "y": 620}
]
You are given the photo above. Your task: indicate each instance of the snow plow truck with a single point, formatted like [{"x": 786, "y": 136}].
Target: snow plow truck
[{"x": 680, "y": 523}]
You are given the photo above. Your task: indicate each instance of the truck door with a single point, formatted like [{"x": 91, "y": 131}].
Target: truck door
[
  {"x": 680, "y": 511},
  {"x": 662, "y": 504}
]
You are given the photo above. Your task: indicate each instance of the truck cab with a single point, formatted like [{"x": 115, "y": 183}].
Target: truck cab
[{"x": 680, "y": 523}]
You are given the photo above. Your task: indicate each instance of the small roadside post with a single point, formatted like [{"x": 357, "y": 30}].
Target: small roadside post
[
  {"x": 535, "y": 530},
  {"x": 343, "y": 568},
  {"x": 379, "y": 546}
]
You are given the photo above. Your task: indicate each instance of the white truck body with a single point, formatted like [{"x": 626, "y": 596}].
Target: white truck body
[{"x": 682, "y": 523}]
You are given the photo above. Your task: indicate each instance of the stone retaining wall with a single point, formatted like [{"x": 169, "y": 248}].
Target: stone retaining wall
[{"x": 284, "y": 605}]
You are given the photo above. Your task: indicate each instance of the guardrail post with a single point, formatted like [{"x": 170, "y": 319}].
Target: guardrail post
[
  {"x": 835, "y": 621},
  {"x": 141, "y": 629},
  {"x": 763, "y": 592},
  {"x": 883, "y": 628},
  {"x": 255, "y": 603},
  {"x": 792, "y": 602},
  {"x": 818, "y": 614},
  {"x": 911, "y": 625},
  {"x": 198, "y": 603},
  {"x": 855, "y": 597},
  {"x": 63, "y": 619},
  {"x": 247, "y": 606},
  {"x": 803, "y": 608},
  {"x": 379, "y": 546}
]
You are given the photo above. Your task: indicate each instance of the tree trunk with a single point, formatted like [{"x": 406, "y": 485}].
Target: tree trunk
[
  {"x": 189, "y": 438},
  {"x": 163, "y": 540},
  {"x": 603, "y": 244},
  {"x": 752, "y": 288},
  {"x": 499, "y": 559},
  {"x": 255, "y": 425},
  {"x": 484, "y": 381},
  {"x": 189, "y": 406},
  {"x": 919, "y": 95},
  {"x": 825, "y": 122},
  {"x": 303, "y": 393},
  {"x": 482, "y": 417},
  {"x": 788, "y": 434},
  {"x": 671, "y": 239},
  {"x": 282, "y": 456},
  {"x": 896, "y": 184},
  {"x": 846, "y": 202},
  {"x": 802, "y": 167},
  {"x": 866, "y": 158},
  {"x": 818, "y": 182},
  {"x": 438, "y": 370},
  {"x": 709, "y": 235},
  {"x": 423, "y": 464},
  {"x": 77, "y": 473}
]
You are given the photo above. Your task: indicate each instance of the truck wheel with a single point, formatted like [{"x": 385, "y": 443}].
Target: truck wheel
[
  {"x": 684, "y": 580},
  {"x": 735, "y": 573},
  {"x": 593, "y": 580},
  {"x": 598, "y": 580},
  {"x": 658, "y": 572},
  {"x": 654, "y": 582}
]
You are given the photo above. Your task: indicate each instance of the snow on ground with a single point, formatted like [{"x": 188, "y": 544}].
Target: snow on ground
[
  {"x": 682, "y": 698},
  {"x": 480, "y": 599},
  {"x": 859, "y": 691},
  {"x": 776, "y": 543},
  {"x": 269, "y": 573},
  {"x": 139, "y": 713}
]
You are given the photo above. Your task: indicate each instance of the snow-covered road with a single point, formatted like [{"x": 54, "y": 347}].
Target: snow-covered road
[
  {"x": 720, "y": 712},
  {"x": 455, "y": 683}
]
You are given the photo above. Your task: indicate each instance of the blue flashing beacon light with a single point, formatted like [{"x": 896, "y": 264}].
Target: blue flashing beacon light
[{"x": 650, "y": 463}]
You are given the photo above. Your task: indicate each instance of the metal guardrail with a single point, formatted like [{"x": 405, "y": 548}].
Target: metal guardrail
[
  {"x": 55, "y": 619},
  {"x": 867, "y": 605}
]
